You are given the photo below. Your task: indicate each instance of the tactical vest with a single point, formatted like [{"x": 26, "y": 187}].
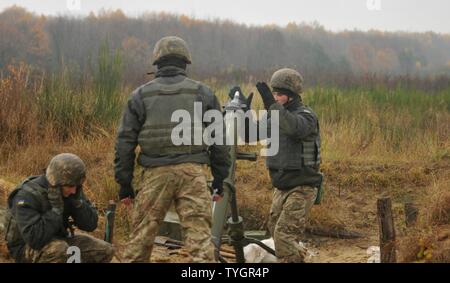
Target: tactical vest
[
  {"x": 12, "y": 233},
  {"x": 161, "y": 101},
  {"x": 296, "y": 154}
]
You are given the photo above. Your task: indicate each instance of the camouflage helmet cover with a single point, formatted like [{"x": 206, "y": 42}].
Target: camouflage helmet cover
[
  {"x": 66, "y": 169},
  {"x": 171, "y": 45},
  {"x": 287, "y": 79}
]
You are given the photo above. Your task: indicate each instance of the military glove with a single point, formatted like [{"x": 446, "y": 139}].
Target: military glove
[
  {"x": 76, "y": 199},
  {"x": 126, "y": 191},
  {"x": 56, "y": 200},
  {"x": 266, "y": 94}
]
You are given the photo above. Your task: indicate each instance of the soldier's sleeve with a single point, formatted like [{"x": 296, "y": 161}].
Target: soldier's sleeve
[
  {"x": 218, "y": 154},
  {"x": 37, "y": 228},
  {"x": 296, "y": 126},
  {"x": 84, "y": 215},
  {"x": 126, "y": 141}
]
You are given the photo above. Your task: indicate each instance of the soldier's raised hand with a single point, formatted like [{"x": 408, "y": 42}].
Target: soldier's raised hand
[
  {"x": 266, "y": 94},
  {"x": 77, "y": 199}
]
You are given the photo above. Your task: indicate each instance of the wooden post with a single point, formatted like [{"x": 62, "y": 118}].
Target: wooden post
[
  {"x": 411, "y": 212},
  {"x": 387, "y": 230}
]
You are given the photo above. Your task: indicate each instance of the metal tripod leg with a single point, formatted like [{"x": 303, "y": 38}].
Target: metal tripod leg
[
  {"x": 236, "y": 231},
  {"x": 220, "y": 212}
]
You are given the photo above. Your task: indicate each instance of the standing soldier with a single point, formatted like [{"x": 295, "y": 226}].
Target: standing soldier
[
  {"x": 38, "y": 214},
  {"x": 165, "y": 172},
  {"x": 294, "y": 170}
]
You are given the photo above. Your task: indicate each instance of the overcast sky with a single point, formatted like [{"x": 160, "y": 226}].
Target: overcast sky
[{"x": 336, "y": 15}]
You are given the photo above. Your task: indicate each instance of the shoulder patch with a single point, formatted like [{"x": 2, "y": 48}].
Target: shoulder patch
[{"x": 21, "y": 202}]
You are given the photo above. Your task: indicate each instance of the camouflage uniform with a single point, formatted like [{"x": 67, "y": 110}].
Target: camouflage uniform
[
  {"x": 156, "y": 189},
  {"x": 92, "y": 250},
  {"x": 167, "y": 173},
  {"x": 287, "y": 221},
  {"x": 294, "y": 170}
]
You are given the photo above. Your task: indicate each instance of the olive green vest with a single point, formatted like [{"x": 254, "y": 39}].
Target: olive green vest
[
  {"x": 296, "y": 154},
  {"x": 161, "y": 101}
]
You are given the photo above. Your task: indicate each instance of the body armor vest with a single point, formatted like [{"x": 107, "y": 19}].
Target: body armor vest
[
  {"x": 297, "y": 154},
  {"x": 161, "y": 101}
]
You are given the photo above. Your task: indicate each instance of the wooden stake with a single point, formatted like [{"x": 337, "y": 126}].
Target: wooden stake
[
  {"x": 411, "y": 212},
  {"x": 387, "y": 231}
]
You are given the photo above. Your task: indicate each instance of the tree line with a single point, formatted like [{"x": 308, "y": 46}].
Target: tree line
[{"x": 221, "y": 49}]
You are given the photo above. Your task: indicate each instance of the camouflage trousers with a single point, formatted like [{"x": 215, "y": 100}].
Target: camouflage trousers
[
  {"x": 92, "y": 250},
  {"x": 287, "y": 221},
  {"x": 156, "y": 189}
]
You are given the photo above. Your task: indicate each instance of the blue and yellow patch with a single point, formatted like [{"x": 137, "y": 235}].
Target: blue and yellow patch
[{"x": 21, "y": 202}]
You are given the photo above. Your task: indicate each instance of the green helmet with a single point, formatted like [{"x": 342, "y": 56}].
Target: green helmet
[
  {"x": 171, "y": 45},
  {"x": 66, "y": 169},
  {"x": 287, "y": 79}
]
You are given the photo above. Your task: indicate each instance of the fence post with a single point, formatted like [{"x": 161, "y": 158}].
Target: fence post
[{"x": 387, "y": 230}]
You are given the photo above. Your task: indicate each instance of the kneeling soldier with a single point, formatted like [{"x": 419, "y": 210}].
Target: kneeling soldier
[{"x": 38, "y": 216}]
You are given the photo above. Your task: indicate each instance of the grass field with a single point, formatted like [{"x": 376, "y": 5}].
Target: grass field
[{"x": 376, "y": 141}]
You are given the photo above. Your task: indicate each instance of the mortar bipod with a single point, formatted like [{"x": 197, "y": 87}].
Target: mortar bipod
[{"x": 235, "y": 222}]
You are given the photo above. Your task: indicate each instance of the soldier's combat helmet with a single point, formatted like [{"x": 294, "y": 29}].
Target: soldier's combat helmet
[
  {"x": 287, "y": 79},
  {"x": 66, "y": 169},
  {"x": 171, "y": 46}
]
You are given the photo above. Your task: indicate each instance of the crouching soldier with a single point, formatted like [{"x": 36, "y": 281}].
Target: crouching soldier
[{"x": 42, "y": 210}]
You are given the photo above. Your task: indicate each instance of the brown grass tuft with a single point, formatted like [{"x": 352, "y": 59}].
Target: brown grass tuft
[{"x": 429, "y": 240}]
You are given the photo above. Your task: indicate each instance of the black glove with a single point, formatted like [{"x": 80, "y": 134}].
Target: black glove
[
  {"x": 76, "y": 199},
  {"x": 217, "y": 186},
  {"x": 56, "y": 200},
  {"x": 126, "y": 191},
  {"x": 266, "y": 94},
  {"x": 245, "y": 101}
]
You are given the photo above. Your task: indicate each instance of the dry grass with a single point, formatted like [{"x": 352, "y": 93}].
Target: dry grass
[
  {"x": 18, "y": 114},
  {"x": 349, "y": 202},
  {"x": 369, "y": 150},
  {"x": 5, "y": 188},
  {"x": 438, "y": 212},
  {"x": 432, "y": 231}
]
